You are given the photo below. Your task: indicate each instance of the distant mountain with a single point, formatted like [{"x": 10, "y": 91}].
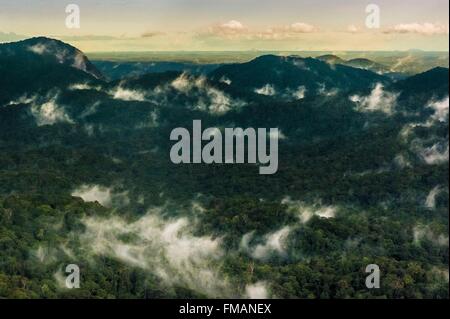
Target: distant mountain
[
  {"x": 360, "y": 63},
  {"x": 40, "y": 64},
  {"x": 119, "y": 70},
  {"x": 435, "y": 80},
  {"x": 419, "y": 89},
  {"x": 271, "y": 74},
  {"x": 330, "y": 58},
  {"x": 57, "y": 51},
  {"x": 367, "y": 65}
]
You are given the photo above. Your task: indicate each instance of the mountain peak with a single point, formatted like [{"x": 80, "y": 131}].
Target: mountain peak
[
  {"x": 331, "y": 59},
  {"x": 58, "y": 51}
]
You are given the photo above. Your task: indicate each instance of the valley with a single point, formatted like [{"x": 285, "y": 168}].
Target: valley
[{"x": 86, "y": 176}]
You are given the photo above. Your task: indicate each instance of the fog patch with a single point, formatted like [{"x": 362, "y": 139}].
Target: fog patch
[
  {"x": 103, "y": 195},
  {"x": 305, "y": 212},
  {"x": 21, "y": 100},
  {"x": 421, "y": 233},
  {"x": 182, "y": 83},
  {"x": 257, "y": 291},
  {"x": 49, "y": 112},
  {"x": 267, "y": 90},
  {"x": 324, "y": 91},
  {"x": 440, "y": 110},
  {"x": 84, "y": 87},
  {"x": 299, "y": 94},
  {"x": 277, "y": 135},
  {"x": 430, "y": 202},
  {"x": 274, "y": 243},
  {"x": 378, "y": 100},
  {"x": 209, "y": 99},
  {"x": 166, "y": 247},
  {"x": 436, "y": 154},
  {"x": 225, "y": 80},
  {"x": 121, "y": 93},
  {"x": 44, "y": 254}
]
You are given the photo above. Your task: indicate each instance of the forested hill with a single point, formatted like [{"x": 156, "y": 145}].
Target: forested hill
[{"x": 86, "y": 179}]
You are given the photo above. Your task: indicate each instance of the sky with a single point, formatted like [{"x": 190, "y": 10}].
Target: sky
[{"x": 232, "y": 25}]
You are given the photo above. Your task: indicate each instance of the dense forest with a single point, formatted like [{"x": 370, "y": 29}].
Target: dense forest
[{"x": 86, "y": 179}]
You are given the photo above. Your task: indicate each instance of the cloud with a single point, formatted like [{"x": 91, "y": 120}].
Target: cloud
[
  {"x": 426, "y": 28},
  {"x": 228, "y": 29},
  {"x": 49, "y": 112},
  {"x": 299, "y": 94},
  {"x": 436, "y": 154},
  {"x": 233, "y": 25},
  {"x": 183, "y": 83},
  {"x": 305, "y": 212},
  {"x": 225, "y": 80},
  {"x": 103, "y": 195},
  {"x": 267, "y": 90},
  {"x": 300, "y": 27},
  {"x": 121, "y": 93},
  {"x": 353, "y": 29},
  {"x": 94, "y": 193},
  {"x": 378, "y": 100},
  {"x": 39, "y": 49},
  {"x": 165, "y": 247},
  {"x": 84, "y": 86},
  {"x": 257, "y": 291},
  {"x": 430, "y": 202},
  {"x": 441, "y": 110},
  {"x": 274, "y": 243},
  {"x": 21, "y": 100},
  {"x": 421, "y": 232},
  {"x": 322, "y": 90},
  {"x": 209, "y": 98},
  {"x": 277, "y": 135}
]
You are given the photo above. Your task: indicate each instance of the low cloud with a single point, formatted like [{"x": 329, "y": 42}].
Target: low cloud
[
  {"x": 305, "y": 212},
  {"x": 426, "y": 28},
  {"x": 274, "y": 243},
  {"x": 124, "y": 94},
  {"x": 103, "y": 195},
  {"x": 94, "y": 193},
  {"x": 422, "y": 232},
  {"x": 267, "y": 90},
  {"x": 436, "y": 154},
  {"x": 440, "y": 110},
  {"x": 279, "y": 135},
  {"x": 299, "y": 94},
  {"x": 378, "y": 100},
  {"x": 323, "y": 90},
  {"x": 209, "y": 99},
  {"x": 49, "y": 112},
  {"x": 430, "y": 202},
  {"x": 257, "y": 291},
  {"x": 165, "y": 247}
]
